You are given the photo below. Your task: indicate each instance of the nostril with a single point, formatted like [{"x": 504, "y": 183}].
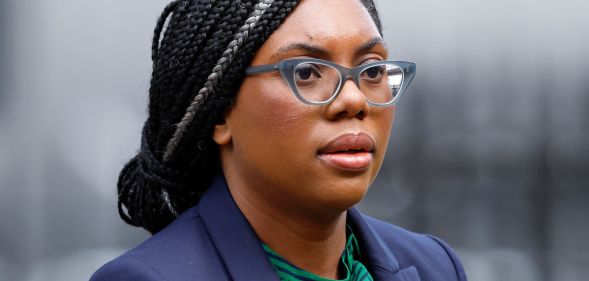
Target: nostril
[
  {"x": 341, "y": 114},
  {"x": 346, "y": 114},
  {"x": 361, "y": 114}
]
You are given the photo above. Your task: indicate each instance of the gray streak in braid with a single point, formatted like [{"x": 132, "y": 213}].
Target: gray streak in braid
[
  {"x": 216, "y": 74},
  {"x": 166, "y": 199}
]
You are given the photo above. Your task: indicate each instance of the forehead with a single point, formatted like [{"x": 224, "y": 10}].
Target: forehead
[{"x": 336, "y": 25}]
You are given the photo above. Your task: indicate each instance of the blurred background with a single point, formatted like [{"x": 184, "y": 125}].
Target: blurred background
[{"x": 490, "y": 148}]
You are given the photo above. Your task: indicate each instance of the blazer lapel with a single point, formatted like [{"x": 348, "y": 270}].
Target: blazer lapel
[
  {"x": 245, "y": 260},
  {"x": 233, "y": 237},
  {"x": 377, "y": 257}
]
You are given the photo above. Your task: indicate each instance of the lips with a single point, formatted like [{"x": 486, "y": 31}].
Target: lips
[{"x": 351, "y": 152}]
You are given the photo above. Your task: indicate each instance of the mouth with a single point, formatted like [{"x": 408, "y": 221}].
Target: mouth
[{"x": 349, "y": 152}]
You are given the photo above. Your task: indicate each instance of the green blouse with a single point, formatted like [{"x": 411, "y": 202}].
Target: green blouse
[{"x": 354, "y": 269}]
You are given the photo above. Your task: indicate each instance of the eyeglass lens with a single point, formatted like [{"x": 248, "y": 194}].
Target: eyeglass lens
[{"x": 318, "y": 82}]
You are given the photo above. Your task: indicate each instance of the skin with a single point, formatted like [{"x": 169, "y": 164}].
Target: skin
[{"x": 295, "y": 201}]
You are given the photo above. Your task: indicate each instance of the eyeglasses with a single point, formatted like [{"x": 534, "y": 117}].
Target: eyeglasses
[{"x": 318, "y": 82}]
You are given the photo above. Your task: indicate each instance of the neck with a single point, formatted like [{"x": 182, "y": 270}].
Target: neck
[{"x": 313, "y": 243}]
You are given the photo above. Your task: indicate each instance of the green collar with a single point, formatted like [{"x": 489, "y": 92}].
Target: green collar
[{"x": 354, "y": 269}]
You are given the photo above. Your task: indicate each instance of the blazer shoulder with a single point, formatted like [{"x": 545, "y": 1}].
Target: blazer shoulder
[
  {"x": 180, "y": 250},
  {"x": 429, "y": 254},
  {"x": 126, "y": 269}
]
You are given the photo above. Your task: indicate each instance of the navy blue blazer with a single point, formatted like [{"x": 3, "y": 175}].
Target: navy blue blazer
[{"x": 214, "y": 241}]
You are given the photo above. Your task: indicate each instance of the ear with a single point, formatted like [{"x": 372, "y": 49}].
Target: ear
[{"x": 222, "y": 134}]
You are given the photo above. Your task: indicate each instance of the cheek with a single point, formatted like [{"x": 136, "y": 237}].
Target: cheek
[
  {"x": 268, "y": 117},
  {"x": 279, "y": 116},
  {"x": 383, "y": 124},
  {"x": 386, "y": 121}
]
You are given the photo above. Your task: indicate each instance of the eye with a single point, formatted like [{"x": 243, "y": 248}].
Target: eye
[
  {"x": 373, "y": 74},
  {"x": 307, "y": 72}
]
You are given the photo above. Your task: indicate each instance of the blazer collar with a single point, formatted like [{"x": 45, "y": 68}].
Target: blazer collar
[
  {"x": 245, "y": 259},
  {"x": 377, "y": 256},
  {"x": 233, "y": 237}
]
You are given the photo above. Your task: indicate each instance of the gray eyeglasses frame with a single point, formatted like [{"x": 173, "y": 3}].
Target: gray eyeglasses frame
[{"x": 288, "y": 66}]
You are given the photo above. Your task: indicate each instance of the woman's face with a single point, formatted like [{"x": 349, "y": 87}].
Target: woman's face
[{"x": 311, "y": 158}]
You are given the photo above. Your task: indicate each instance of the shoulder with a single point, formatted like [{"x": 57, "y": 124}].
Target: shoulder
[
  {"x": 430, "y": 255},
  {"x": 181, "y": 249},
  {"x": 125, "y": 268}
]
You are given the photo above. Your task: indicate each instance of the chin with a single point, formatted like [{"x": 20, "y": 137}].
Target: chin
[{"x": 345, "y": 193}]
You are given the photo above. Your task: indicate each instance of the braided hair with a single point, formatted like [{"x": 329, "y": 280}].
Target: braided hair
[{"x": 198, "y": 65}]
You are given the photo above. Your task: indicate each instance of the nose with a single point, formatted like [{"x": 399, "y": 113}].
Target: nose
[{"x": 350, "y": 103}]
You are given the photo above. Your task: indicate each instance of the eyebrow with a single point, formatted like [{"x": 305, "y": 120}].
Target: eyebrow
[
  {"x": 301, "y": 46},
  {"x": 370, "y": 44},
  {"x": 318, "y": 51}
]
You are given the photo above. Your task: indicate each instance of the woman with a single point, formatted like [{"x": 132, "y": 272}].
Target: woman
[{"x": 268, "y": 121}]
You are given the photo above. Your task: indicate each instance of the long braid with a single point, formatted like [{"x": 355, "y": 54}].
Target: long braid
[
  {"x": 224, "y": 18},
  {"x": 191, "y": 28},
  {"x": 217, "y": 73},
  {"x": 198, "y": 65},
  {"x": 155, "y": 45},
  {"x": 198, "y": 133}
]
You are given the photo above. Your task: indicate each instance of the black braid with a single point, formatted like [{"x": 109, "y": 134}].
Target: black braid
[{"x": 153, "y": 192}]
